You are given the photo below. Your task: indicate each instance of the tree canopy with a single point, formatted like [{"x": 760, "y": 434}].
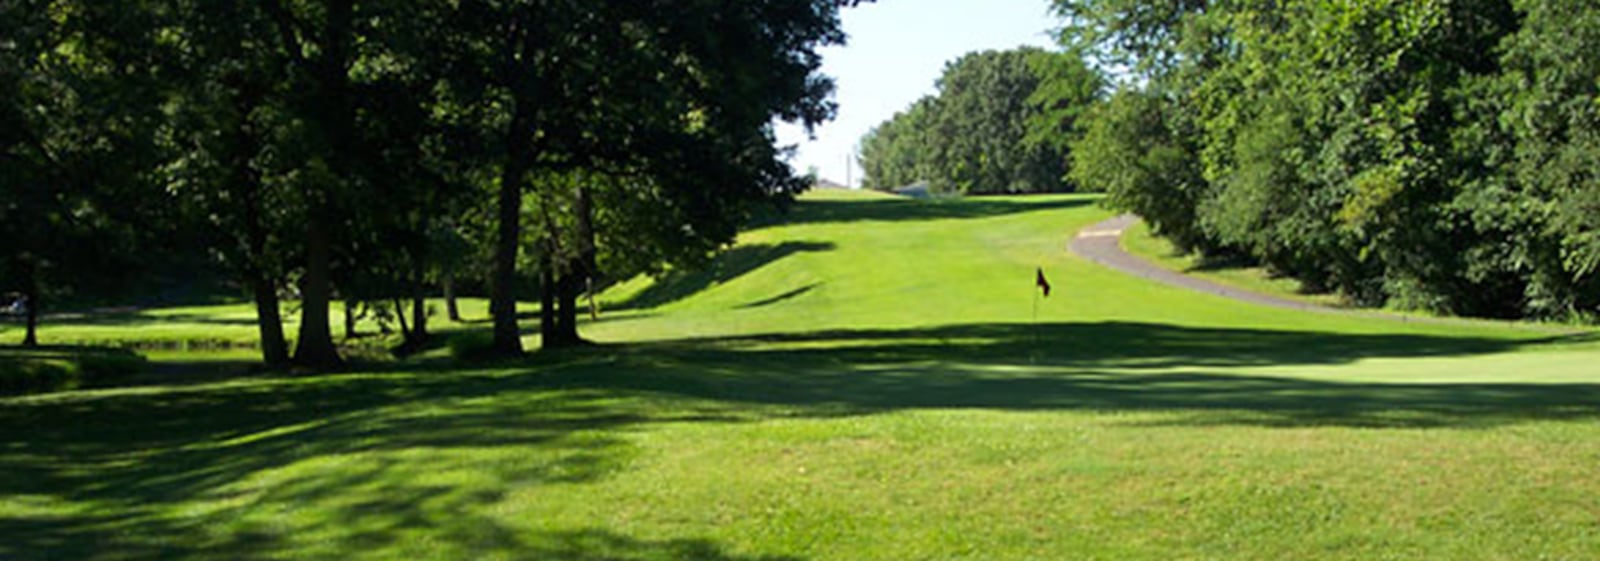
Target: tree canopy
[
  {"x": 1000, "y": 123},
  {"x": 368, "y": 150},
  {"x": 1433, "y": 155}
]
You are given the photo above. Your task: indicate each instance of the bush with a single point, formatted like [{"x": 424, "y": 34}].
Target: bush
[
  {"x": 471, "y": 344},
  {"x": 51, "y": 369}
]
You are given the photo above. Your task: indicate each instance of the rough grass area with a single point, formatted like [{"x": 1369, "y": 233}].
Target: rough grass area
[
  {"x": 865, "y": 381},
  {"x": 1140, "y": 241}
]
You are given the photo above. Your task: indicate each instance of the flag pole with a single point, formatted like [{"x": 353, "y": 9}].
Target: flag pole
[
  {"x": 1033, "y": 355},
  {"x": 1039, "y": 285}
]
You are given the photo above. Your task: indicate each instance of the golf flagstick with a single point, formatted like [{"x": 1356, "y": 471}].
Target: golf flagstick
[
  {"x": 1040, "y": 285},
  {"x": 1033, "y": 354}
]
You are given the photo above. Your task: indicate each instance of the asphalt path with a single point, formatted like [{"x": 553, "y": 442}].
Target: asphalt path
[{"x": 1101, "y": 243}]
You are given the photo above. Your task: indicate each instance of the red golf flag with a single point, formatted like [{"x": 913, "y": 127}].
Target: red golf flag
[{"x": 1040, "y": 282}]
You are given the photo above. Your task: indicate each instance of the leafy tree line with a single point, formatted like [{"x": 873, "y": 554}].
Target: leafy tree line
[
  {"x": 1438, "y": 155},
  {"x": 1000, "y": 123},
  {"x": 383, "y": 150}
]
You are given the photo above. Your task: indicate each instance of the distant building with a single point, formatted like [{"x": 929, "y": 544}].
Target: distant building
[{"x": 918, "y": 190}]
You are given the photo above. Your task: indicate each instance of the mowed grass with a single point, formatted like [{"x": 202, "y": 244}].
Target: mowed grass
[
  {"x": 209, "y": 328},
  {"x": 864, "y": 381},
  {"x": 1141, "y": 241}
]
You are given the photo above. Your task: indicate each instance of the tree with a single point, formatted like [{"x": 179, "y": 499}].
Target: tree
[
  {"x": 1552, "y": 106},
  {"x": 1421, "y": 154},
  {"x": 979, "y": 133},
  {"x": 626, "y": 88},
  {"x": 337, "y": 141},
  {"x": 75, "y": 123},
  {"x": 895, "y": 153},
  {"x": 1130, "y": 150},
  {"x": 1068, "y": 88},
  {"x": 363, "y": 78},
  {"x": 229, "y": 162},
  {"x": 698, "y": 139},
  {"x": 1000, "y": 123}
]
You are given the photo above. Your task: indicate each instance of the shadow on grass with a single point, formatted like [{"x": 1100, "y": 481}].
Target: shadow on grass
[
  {"x": 894, "y": 210},
  {"x": 353, "y": 462},
  {"x": 1111, "y": 366},
  {"x": 732, "y": 264},
  {"x": 788, "y": 295},
  {"x": 279, "y": 466}
]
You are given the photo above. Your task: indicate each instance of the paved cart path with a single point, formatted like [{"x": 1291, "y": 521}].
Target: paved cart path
[{"x": 1100, "y": 243}]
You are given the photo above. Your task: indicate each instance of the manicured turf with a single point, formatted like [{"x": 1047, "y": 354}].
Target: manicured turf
[{"x": 864, "y": 382}]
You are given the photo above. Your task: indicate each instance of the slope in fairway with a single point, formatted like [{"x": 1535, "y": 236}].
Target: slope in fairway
[{"x": 865, "y": 380}]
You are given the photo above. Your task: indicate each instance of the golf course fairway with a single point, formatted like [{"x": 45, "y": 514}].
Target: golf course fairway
[{"x": 866, "y": 378}]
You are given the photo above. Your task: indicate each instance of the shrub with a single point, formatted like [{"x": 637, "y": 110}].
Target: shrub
[{"x": 51, "y": 369}]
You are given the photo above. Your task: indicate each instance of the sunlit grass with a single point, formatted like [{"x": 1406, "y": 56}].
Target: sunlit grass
[
  {"x": 865, "y": 381},
  {"x": 1140, "y": 241}
]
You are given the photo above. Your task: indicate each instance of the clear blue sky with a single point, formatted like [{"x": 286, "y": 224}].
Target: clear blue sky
[{"x": 896, "y": 51}]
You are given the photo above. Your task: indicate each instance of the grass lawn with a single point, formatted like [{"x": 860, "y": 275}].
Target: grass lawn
[
  {"x": 1140, "y": 241},
  {"x": 865, "y": 381}
]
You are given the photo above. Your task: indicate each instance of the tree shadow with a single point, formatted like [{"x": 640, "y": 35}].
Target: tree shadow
[
  {"x": 137, "y": 455},
  {"x": 1110, "y": 366},
  {"x": 895, "y": 210},
  {"x": 681, "y": 283},
  {"x": 372, "y": 459},
  {"x": 597, "y": 545},
  {"x": 788, "y": 295}
]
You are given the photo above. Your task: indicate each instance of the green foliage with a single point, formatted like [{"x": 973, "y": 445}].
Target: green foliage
[
  {"x": 1128, "y": 151},
  {"x": 895, "y": 153},
  {"x": 1433, "y": 155},
  {"x": 1000, "y": 123},
  {"x": 49, "y": 369},
  {"x": 980, "y": 129},
  {"x": 77, "y": 112},
  {"x": 470, "y": 345},
  {"x": 1552, "y": 112},
  {"x": 354, "y": 148},
  {"x": 1068, "y": 88}
]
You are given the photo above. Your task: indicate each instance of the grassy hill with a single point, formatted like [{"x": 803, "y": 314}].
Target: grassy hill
[{"x": 864, "y": 381}]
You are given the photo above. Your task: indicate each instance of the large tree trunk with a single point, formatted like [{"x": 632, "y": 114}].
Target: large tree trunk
[
  {"x": 576, "y": 274},
  {"x": 264, "y": 289},
  {"x": 400, "y": 316},
  {"x": 269, "y": 321},
  {"x": 314, "y": 347},
  {"x": 451, "y": 310},
  {"x": 419, "y": 304},
  {"x": 588, "y": 251},
  {"x": 547, "y": 298},
  {"x": 419, "y": 316},
  {"x": 566, "y": 331},
  {"x": 502, "y": 296},
  {"x": 30, "y": 291},
  {"x": 350, "y": 319}
]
